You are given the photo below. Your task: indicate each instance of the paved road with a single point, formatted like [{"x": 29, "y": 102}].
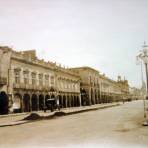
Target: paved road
[
  {"x": 13, "y": 118},
  {"x": 112, "y": 127}
]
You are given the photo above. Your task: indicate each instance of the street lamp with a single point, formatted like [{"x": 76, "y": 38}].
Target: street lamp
[{"x": 144, "y": 57}]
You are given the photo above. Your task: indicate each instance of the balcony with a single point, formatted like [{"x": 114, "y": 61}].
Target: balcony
[
  {"x": 3, "y": 80},
  {"x": 31, "y": 87}
]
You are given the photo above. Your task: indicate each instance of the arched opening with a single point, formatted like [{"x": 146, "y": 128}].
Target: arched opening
[
  {"x": 72, "y": 101},
  {"x": 26, "y": 102},
  {"x": 3, "y": 103},
  {"x": 106, "y": 98},
  {"x": 64, "y": 101},
  {"x": 92, "y": 99},
  {"x": 34, "y": 102},
  {"x": 96, "y": 97},
  {"x": 41, "y": 102},
  {"x": 110, "y": 99},
  {"x": 60, "y": 100},
  {"x": 75, "y": 101},
  {"x": 99, "y": 97},
  {"x": 17, "y": 103},
  {"x": 47, "y": 97},
  {"x": 83, "y": 97},
  {"x": 78, "y": 101},
  {"x": 103, "y": 98},
  {"x": 68, "y": 101}
]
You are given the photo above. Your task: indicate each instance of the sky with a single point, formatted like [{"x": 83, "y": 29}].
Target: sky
[{"x": 103, "y": 34}]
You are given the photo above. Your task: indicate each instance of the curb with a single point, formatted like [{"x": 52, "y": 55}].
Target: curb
[
  {"x": 92, "y": 109},
  {"x": 56, "y": 114},
  {"x": 13, "y": 115}
]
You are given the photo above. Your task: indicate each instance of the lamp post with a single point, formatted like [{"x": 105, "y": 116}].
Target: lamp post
[{"x": 144, "y": 57}]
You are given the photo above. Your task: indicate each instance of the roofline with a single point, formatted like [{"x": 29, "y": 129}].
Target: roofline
[{"x": 85, "y": 67}]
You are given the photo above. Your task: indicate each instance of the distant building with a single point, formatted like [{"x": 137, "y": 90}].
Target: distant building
[
  {"x": 124, "y": 86},
  {"x": 136, "y": 93},
  {"x": 97, "y": 88},
  {"x": 143, "y": 88}
]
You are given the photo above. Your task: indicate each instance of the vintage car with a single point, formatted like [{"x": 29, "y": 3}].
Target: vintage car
[{"x": 52, "y": 105}]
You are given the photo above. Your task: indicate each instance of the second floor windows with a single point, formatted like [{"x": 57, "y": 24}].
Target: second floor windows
[
  {"x": 52, "y": 80},
  {"x": 41, "y": 79},
  {"x": 26, "y": 77},
  {"x": 33, "y": 75},
  {"x": 47, "y": 80},
  {"x": 17, "y": 77}
]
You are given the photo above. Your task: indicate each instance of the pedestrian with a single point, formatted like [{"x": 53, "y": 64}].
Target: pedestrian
[
  {"x": 123, "y": 100},
  {"x": 58, "y": 104}
]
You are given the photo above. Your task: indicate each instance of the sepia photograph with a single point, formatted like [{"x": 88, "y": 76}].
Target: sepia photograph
[{"x": 73, "y": 73}]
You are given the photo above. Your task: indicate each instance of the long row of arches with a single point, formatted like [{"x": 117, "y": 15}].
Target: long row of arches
[
  {"x": 92, "y": 96},
  {"x": 34, "y": 102}
]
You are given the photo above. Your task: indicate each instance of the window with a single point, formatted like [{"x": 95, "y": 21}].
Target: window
[
  {"x": 41, "y": 79},
  {"x": 52, "y": 80},
  {"x": 61, "y": 84},
  {"x": 33, "y": 78},
  {"x": 47, "y": 80},
  {"x": 26, "y": 77},
  {"x": 17, "y": 77},
  {"x": 90, "y": 80}
]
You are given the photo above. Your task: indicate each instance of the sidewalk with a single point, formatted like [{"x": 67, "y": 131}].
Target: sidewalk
[{"x": 17, "y": 119}]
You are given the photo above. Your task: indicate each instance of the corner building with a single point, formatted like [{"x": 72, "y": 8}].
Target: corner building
[{"x": 27, "y": 82}]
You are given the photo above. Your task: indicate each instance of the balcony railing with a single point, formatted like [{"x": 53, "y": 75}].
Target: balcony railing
[
  {"x": 31, "y": 87},
  {"x": 3, "y": 80}
]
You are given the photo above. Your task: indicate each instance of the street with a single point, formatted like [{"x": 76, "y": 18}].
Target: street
[{"x": 118, "y": 126}]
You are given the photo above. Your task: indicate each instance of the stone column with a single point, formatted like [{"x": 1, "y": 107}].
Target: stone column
[
  {"x": 44, "y": 103},
  {"x": 66, "y": 101},
  {"x": 62, "y": 101},
  {"x": 22, "y": 103},
  {"x": 100, "y": 93},
  {"x": 69, "y": 100},
  {"x": 38, "y": 102},
  {"x": 93, "y": 96},
  {"x": 89, "y": 102},
  {"x": 80, "y": 102},
  {"x": 97, "y": 96},
  {"x": 30, "y": 102},
  {"x": 72, "y": 101}
]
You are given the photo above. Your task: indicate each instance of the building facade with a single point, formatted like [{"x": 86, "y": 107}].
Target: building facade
[
  {"x": 97, "y": 88},
  {"x": 27, "y": 82}
]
